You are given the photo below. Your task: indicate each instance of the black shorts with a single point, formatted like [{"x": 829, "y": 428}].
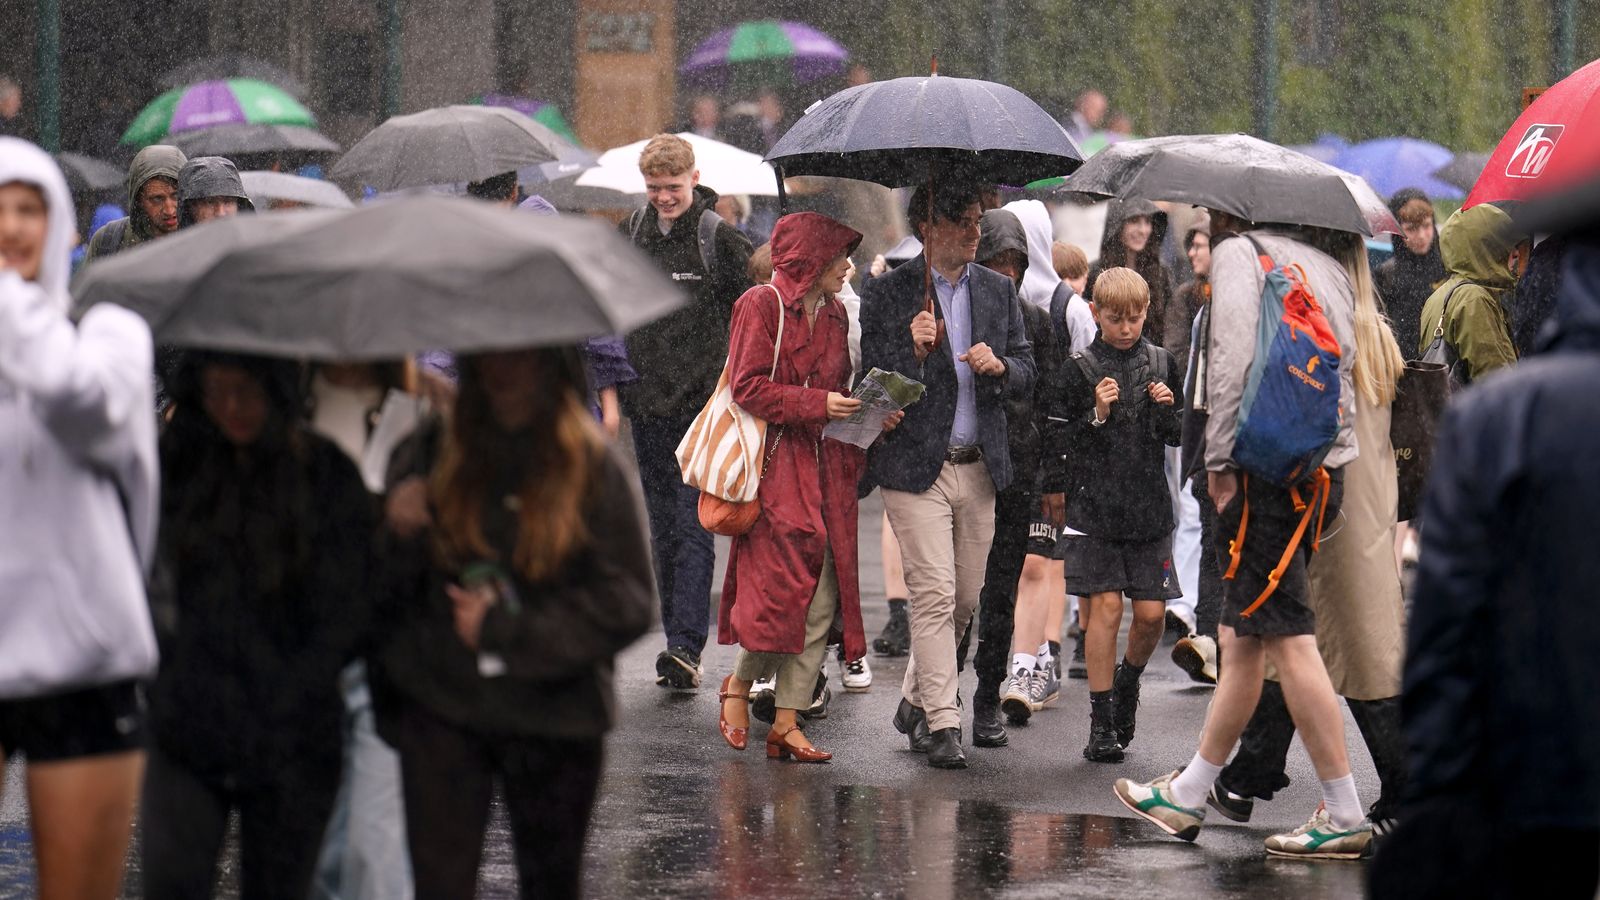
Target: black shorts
[
  {"x": 108, "y": 718},
  {"x": 1141, "y": 569},
  {"x": 1273, "y": 521},
  {"x": 1044, "y": 539}
]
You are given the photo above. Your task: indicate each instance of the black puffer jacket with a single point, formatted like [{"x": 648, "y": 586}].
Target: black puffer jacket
[{"x": 1406, "y": 280}]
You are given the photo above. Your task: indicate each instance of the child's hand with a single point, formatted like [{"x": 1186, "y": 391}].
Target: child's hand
[
  {"x": 1105, "y": 394},
  {"x": 1161, "y": 394}
]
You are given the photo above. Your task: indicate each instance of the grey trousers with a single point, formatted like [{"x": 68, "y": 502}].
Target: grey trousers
[{"x": 797, "y": 672}]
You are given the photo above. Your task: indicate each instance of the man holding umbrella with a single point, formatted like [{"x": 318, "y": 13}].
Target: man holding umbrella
[{"x": 678, "y": 359}]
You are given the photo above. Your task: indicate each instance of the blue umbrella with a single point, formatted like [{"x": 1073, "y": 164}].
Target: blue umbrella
[
  {"x": 1324, "y": 148},
  {"x": 1393, "y": 164}
]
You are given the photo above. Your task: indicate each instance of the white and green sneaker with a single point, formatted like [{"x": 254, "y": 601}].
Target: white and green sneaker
[
  {"x": 1321, "y": 839},
  {"x": 1153, "y": 801}
]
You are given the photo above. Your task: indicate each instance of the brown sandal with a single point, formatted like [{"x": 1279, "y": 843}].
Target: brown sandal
[
  {"x": 737, "y": 738},
  {"x": 778, "y": 747}
]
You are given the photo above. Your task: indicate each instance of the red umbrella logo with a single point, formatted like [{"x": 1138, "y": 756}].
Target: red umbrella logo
[{"x": 1533, "y": 151}]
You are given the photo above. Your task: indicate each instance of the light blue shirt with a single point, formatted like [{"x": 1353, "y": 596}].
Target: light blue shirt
[{"x": 955, "y": 301}]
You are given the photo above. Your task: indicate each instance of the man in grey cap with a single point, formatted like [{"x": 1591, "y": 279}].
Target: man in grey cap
[
  {"x": 152, "y": 203},
  {"x": 209, "y": 188}
]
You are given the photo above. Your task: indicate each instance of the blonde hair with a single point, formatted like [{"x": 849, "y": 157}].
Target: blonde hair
[
  {"x": 760, "y": 266},
  {"x": 1121, "y": 290},
  {"x": 1378, "y": 361},
  {"x": 1068, "y": 260},
  {"x": 666, "y": 154}
]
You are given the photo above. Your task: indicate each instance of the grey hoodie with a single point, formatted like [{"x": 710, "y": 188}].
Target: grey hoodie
[
  {"x": 205, "y": 177},
  {"x": 155, "y": 161}
]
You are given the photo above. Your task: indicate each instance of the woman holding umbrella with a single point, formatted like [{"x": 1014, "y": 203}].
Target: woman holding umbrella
[{"x": 796, "y": 568}]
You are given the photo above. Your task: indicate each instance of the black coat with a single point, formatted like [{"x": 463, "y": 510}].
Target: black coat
[
  {"x": 1502, "y": 658},
  {"x": 910, "y": 457}
]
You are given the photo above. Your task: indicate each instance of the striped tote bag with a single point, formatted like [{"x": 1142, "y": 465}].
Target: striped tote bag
[{"x": 721, "y": 454}]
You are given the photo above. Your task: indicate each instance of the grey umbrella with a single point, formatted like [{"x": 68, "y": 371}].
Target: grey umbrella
[
  {"x": 85, "y": 174},
  {"x": 1237, "y": 174},
  {"x": 385, "y": 281},
  {"x": 265, "y": 187},
  {"x": 1463, "y": 170},
  {"x": 451, "y": 144},
  {"x": 239, "y": 140}
]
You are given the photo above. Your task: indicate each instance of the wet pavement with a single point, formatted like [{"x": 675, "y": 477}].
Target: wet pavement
[{"x": 682, "y": 815}]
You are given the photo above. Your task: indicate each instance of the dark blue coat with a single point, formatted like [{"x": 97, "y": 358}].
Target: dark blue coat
[
  {"x": 910, "y": 457},
  {"x": 1504, "y": 647}
]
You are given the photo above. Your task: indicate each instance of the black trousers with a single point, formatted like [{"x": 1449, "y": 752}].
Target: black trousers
[
  {"x": 448, "y": 775},
  {"x": 1208, "y": 609},
  {"x": 184, "y": 819},
  {"x": 1014, "y": 510}
]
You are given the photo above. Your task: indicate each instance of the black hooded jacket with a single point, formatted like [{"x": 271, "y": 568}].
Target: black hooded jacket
[
  {"x": 209, "y": 176},
  {"x": 1148, "y": 262},
  {"x": 679, "y": 356},
  {"x": 1406, "y": 280}
]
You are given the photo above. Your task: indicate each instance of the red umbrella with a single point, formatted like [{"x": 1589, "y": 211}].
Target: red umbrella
[{"x": 1555, "y": 143}]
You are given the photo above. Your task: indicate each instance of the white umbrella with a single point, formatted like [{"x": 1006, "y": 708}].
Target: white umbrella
[
  {"x": 268, "y": 186},
  {"x": 723, "y": 168}
]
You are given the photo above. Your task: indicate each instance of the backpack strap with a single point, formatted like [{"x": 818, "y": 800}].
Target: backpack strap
[
  {"x": 707, "y": 234},
  {"x": 1089, "y": 367},
  {"x": 1262, "y": 256},
  {"x": 1152, "y": 358},
  {"x": 1322, "y": 486},
  {"x": 635, "y": 221}
]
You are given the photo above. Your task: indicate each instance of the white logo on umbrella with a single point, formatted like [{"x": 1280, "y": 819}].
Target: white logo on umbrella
[{"x": 1534, "y": 150}]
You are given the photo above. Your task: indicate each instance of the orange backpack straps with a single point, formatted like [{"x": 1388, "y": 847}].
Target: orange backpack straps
[{"x": 1316, "y": 507}]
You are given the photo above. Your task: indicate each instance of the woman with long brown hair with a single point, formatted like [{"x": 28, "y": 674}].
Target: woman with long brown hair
[{"x": 508, "y": 608}]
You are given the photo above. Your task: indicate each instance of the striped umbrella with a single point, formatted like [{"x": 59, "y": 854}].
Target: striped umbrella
[
  {"x": 235, "y": 101},
  {"x": 795, "y": 48}
]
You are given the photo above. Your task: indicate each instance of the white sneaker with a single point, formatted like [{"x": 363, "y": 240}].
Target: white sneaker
[
  {"x": 1016, "y": 701},
  {"x": 1197, "y": 655},
  {"x": 857, "y": 676},
  {"x": 1321, "y": 839}
]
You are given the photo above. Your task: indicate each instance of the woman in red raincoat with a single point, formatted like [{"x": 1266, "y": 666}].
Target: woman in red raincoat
[{"x": 791, "y": 573}]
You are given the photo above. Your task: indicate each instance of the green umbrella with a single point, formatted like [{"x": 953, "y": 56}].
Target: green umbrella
[{"x": 208, "y": 104}]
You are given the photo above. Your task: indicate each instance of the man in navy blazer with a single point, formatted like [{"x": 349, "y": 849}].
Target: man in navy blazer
[{"x": 940, "y": 469}]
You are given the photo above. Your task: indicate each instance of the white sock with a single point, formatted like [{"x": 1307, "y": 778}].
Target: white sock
[
  {"x": 1344, "y": 807},
  {"x": 1194, "y": 782},
  {"x": 1044, "y": 654},
  {"x": 1023, "y": 662}
]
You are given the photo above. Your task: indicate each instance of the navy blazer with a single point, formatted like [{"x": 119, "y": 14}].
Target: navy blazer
[{"x": 910, "y": 457}]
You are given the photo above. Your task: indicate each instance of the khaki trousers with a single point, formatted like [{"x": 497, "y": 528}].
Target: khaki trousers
[
  {"x": 797, "y": 672},
  {"x": 944, "y": 535}
]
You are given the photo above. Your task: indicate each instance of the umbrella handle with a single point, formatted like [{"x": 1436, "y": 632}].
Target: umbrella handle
[
  {"x": 783, "y": 194},
  {"x": 927, "y": 268}
]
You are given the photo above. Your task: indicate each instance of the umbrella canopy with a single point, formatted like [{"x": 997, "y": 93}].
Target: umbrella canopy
[
  {"x": 265, "y": 187},
  {"x": 1554, "y": 144},
  {"x": 566, "y": 194},
  {"x": 1238, "y": 174},
  {"x": 235, "y": 101},
  {"x": 801, "y": 52},
  {"x": 541, "y": 111},
  {"x": 242, "y": 140},
  {"x": 724, "y": 168},
  {"x": 385, "y": 281},
  {"x": 451, "y": 144},
  {"x": 223, "y": 66},
  {"x": 86, "y": 175},
  {"x": 1463, "y": 171},
  {"x": 1394, "y": 164},
  {"x": 903, "y": 131}
]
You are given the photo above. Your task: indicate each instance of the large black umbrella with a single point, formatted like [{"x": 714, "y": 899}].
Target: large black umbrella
[
  {"x": 452, "y": 144},
  {"x": 243, "y": 140},
  {"x": 1237, "y": 174},
  {"x": 231, "y": 65},
  {"x": 87, "y": 175},
  {"x": 901, "y": 131},
  {"x": 385, "y": 281}
]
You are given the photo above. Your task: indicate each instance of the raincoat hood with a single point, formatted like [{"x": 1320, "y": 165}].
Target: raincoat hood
[
  {"x": 1000, "y": 230},
  {"x": 209, "y": 176},
  {"x": 1475, "y": 244},
  {"x": 23, "y": 162},
  {"x": 154, "y": 161},
  {"x": 1039, "y": 283},
  {"x": 1120, "y": 211},
  {"x": 803, "y": 245}
]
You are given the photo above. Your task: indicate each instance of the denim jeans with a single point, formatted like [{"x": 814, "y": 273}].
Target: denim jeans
[{"x": 683, "y": 552}]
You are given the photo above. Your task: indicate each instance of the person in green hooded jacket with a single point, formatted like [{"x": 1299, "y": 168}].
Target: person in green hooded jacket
[
  {"x": 152, "y": 203},
  {"x": 1483, "y": 251}
]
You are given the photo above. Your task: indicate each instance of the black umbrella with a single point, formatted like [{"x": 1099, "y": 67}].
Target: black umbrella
[
  {"x": 1237, "y": 174},
  {"x": 87, "y": 175},
  {"x": 231, "y": 65},
  {"x": 1462, "y": 170},
  {"x": 452, "y": 144},
  {"x": 242, "y": 140},
  {"x": 385, "y": 281},
  {"x": 897, "y": 132}
]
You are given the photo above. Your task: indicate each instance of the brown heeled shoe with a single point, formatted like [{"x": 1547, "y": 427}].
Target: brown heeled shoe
[
  {"x": 737, "y": 738},
  {"x": 778, "y": 747}
]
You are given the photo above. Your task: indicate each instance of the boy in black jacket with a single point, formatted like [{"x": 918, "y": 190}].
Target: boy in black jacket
[{"x": 1120, "y": 403}]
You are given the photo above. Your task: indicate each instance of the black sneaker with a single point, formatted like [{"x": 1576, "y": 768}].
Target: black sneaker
[
  {"x": 1231, "y": 805},
  {"x": 1103, "y": 746},
  {"x": 1125, "y": 703},
  {"x": 895, "y": 639},
  {"x": 821, "y": 696},
  {"x": 678, "y": 669},
  {"x": 1079, "y": 667}
]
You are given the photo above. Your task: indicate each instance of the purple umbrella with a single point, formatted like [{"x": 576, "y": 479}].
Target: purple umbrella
[{"x": 808, "y": 54}]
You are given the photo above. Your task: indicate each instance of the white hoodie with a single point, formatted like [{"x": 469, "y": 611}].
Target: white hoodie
[
  {"x": 1039, "y": 282},
  {"x": 78, "y": 471}
]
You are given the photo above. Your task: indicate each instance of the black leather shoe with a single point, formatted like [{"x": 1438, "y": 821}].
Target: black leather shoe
[
  {"x": 987, "y": 729},
  {"x": 912, "y": 722},
  {"x": 944, "y": 749}
]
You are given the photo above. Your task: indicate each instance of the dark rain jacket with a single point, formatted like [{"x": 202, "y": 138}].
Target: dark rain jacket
[
  {"x": 1026, "y": 414},
  {"x": 1535, "y": 301},
  {"x": 209, "y": 176},
  {"x": 1501, "y": 662},
  {"x": 680, "y": 356},
  {"x": 1148, "y": 263},
  {"x": 1406, "y": 280},
  {"x": 1470, "y": 305},
  {"x": 156, "y": 161}
]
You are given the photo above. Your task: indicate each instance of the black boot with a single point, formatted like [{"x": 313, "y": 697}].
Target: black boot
[
  {"x": 987, "y": 730},
  {"x": 1379, "y": 721},
  {"x": 1125, "y": 700},
  {"x": 944, "y": 749},
  {"x": 912, "y": 722},
  {"x": 1103, "y": 746},
  {"x": 895, "y": 639}
]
